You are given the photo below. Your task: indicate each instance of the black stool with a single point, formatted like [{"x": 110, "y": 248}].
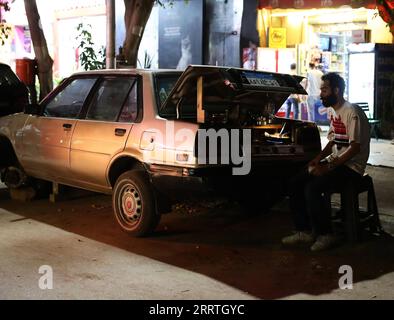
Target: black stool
[{"x": 354, "y": 219}]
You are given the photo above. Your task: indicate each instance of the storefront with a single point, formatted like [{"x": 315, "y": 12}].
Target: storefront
[
  {"x": 59, "y": 20},
  {"x": 340, "y": 35}
]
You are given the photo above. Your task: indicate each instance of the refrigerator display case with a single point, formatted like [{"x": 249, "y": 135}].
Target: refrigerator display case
[
  {"x": 371, "y": 80},
  {"x": 361, "y": 78}
]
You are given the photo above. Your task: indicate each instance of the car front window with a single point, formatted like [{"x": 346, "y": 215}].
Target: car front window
[{"x": 68, "y": 102}]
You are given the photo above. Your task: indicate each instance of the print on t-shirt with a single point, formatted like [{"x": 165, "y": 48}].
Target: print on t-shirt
[
  {"x": 340, "y": 135},
  {"x": 349, "y": 124}
]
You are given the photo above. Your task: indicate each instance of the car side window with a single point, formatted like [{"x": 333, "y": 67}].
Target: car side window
[
  {"x": 109, "y": 98},
  {"x": 69, "y": 101},
  {"x": 129, "y": 112}
]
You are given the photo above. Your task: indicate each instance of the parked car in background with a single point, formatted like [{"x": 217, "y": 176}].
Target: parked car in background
[
  {"x": 13, "y": 93},
  {"x": 136, "y": 134}
]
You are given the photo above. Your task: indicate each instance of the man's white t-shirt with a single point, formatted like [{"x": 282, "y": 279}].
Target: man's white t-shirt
[
  {"x": 347, "y": 124},
  {"x": 314, "y": 82}
]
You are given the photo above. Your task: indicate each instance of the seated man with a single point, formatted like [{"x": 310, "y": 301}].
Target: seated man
[{"x": 344, "y": 158}]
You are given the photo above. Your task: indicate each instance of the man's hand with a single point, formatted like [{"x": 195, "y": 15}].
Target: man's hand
[
  {"x": 324, "y": 153},
  {"x": 314, "y": 162},
  {"x": 319, "y": 169}
]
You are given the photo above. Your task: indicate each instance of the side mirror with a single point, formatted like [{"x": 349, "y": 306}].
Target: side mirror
[{"x": 33, "y": 109}]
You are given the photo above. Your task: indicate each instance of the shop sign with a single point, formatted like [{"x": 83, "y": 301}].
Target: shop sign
[
  {"x": 360, "y": 36},
  {"x": 277, "y": 38}
]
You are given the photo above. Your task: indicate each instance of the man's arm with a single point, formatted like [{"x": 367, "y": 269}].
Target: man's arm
[
  {"x": 321, "y": 169},
  {"x": 350, "y": 152},
  {"x": 322, "y": 154}
]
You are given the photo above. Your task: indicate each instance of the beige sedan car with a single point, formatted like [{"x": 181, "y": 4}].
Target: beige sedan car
[{"x": 136, "y": 134}]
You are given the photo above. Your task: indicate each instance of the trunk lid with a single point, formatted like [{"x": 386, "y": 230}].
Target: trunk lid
[{"x": 203, "y": 90}]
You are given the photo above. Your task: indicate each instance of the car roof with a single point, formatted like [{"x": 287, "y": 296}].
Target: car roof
[{"x": 126, "y": 71}]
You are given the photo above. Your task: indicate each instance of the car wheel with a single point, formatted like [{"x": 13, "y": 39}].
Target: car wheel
[
  {"x": 134, "y": 204},
  {"x": 14, "y": 177}
]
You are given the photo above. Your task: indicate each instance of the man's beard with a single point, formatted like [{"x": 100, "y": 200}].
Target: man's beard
[{"x": 329, "y": 101}]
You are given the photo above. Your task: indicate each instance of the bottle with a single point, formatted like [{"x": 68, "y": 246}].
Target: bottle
[
  {"x": 163, "y": 95},
  {"x": 258, "y": 122}
]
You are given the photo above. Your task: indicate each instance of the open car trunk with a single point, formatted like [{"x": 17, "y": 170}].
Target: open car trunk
[
  {"x": 231, "y": 98},
  {"x": 202, "y": 93}
]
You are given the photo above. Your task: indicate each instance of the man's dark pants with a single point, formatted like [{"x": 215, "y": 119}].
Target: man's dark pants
[{"x": 310, "y": 210}]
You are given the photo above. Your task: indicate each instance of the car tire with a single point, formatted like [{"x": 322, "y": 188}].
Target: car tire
[{"x": 134, "y": 204}]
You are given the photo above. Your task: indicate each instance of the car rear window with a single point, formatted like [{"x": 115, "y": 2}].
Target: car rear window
[{"x": 164, "y": 83}]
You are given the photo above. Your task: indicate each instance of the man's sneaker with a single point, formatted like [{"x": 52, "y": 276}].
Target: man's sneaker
[
  {"x": 324, "y": 242},
  {"x": 298, "y": 237}
]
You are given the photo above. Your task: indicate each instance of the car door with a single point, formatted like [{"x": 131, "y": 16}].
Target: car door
[
  {"x": 47, "y": 138},
  {"x": 103, "y": 133}
]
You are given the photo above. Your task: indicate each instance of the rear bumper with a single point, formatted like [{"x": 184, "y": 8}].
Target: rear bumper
[{"x": 179, "y": 183}]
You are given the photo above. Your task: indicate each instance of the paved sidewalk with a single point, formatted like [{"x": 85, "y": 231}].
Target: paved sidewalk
[{"x": 381, "y": 152}]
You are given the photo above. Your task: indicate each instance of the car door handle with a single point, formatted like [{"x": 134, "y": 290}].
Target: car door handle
[
  {"x": 67, "y": 126},
  {"x": 120, "y": 132}
]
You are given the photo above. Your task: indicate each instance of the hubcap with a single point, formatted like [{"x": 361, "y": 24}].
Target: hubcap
[{"x": 131, "y": 203}]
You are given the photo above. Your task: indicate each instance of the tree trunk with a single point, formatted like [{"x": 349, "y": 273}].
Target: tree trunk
[
  {"x": 136, "y": 16},
  {"x": 44, "y": 61}
]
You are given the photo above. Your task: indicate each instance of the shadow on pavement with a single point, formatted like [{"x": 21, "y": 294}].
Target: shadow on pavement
[{"x": 221, "y": 243}]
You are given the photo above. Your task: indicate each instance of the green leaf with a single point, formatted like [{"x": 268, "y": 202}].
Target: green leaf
[{"x": 90, "y": 60}]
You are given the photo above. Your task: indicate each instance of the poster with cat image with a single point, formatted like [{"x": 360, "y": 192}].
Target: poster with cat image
[{"x": 180, "y": 34}]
